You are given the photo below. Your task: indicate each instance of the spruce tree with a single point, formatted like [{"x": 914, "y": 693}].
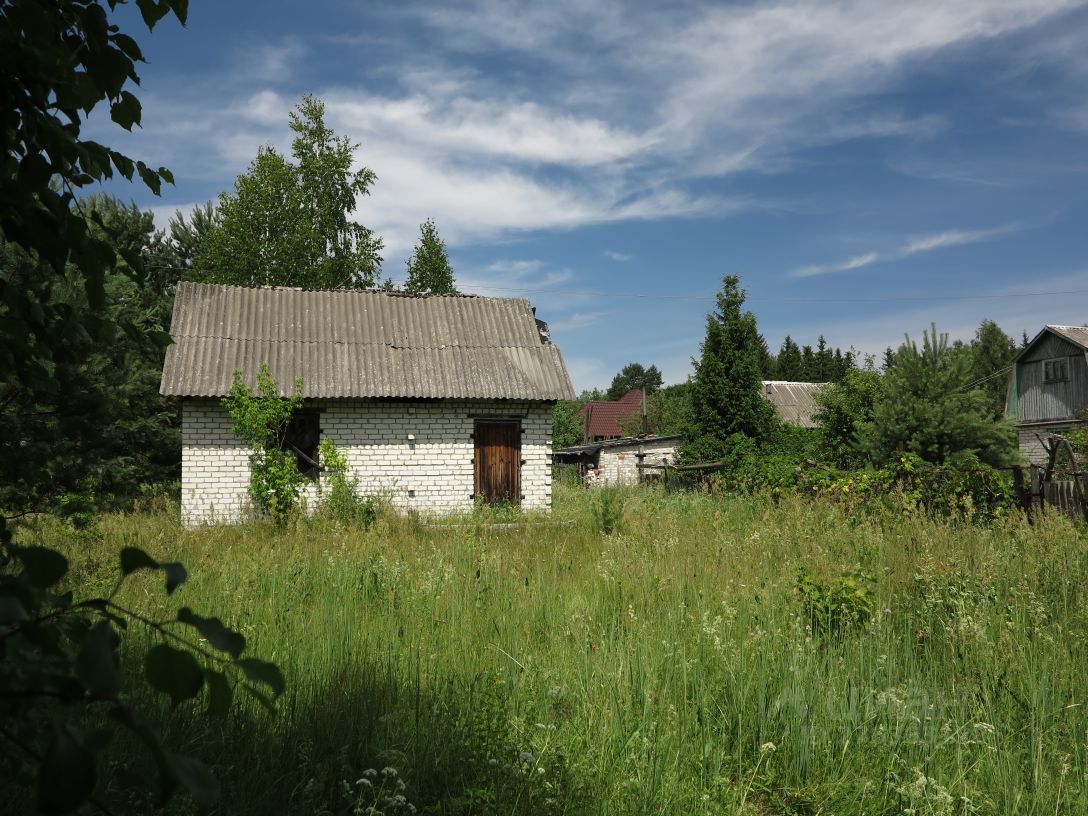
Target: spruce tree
[
  {"x": 429, "y": 267},
  {"x": 725, "y": 391},
  {"x": 789, "y": 364},
  {"x": 992, "y": 352},
  {"x": 929, "y": 407}
]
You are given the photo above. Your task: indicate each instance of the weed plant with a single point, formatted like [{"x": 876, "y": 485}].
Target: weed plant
[{"x": 675, "y": 666}]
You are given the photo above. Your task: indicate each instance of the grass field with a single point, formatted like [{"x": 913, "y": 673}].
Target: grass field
[{"x": 671, "y": 667}]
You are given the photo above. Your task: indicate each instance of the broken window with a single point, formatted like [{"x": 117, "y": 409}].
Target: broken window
[{"x": 301, "y": 438}]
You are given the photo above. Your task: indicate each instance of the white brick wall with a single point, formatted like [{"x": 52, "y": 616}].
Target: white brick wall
[
  {"x": 432, "y": 473},
  {"x": 618, "y": 465}
]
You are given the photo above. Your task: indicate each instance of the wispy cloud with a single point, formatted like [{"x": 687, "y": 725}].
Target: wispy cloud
[
  {"x": 617, "y": 256},
  {"x": 912, "y": 246},
  {"x": 578, "y": 320},
  {"x": 617, "y": 116}
]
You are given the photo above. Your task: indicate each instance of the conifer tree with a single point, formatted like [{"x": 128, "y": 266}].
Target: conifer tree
[
  {"x": 429, "y": 267},
  {"x": 929, "y": 407},
  {"x": 789, "y": 364},
  {"x": 725, "y": 391}
]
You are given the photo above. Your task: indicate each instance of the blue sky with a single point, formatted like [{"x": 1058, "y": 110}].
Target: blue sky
[{"x": 860, "y": 164}]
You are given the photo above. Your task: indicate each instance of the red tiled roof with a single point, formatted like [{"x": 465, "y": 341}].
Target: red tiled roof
[{"x": 604, "y": 417}]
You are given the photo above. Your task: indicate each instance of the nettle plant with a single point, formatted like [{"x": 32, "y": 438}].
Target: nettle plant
[
  {"x": 63, "y": 693},
  {"x": 261, "y": 420}
]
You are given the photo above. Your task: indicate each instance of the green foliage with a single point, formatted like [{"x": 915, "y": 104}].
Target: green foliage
[
  {"x": 963, "y": 488},
  {"x": 57, "y": 653},
  {"x": 833, "y": 608},
  {"x": 991, "y": 353},
  {"x": 341, "y": 500},
  {"x": 822, "y": 364},
  {"x": 644, "y": 672},
  {"x": 61, "y": 61},
  {"x": 429, "y": 267},
  {"x": 288, "y": 223},
  {"x": 843, "y": 408},
  {"x": 929, "y": 407},
  {"x": 634, "y": 375},
  {"x": 725, "y": 391},
  {"x": 568, "y": 429},
  {"x": 608, "y": 508},
  {"x": 668, "y": 412},
  {"x": 261, "y": 420}
]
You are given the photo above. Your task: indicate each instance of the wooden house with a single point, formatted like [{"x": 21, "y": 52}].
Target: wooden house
[{"x": 1048, "y": 387}]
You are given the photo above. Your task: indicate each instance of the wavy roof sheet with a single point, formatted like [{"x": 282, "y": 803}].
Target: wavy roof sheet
[
  {"x": 794, "y": 402},
  {"x": 361, "y": 344}
]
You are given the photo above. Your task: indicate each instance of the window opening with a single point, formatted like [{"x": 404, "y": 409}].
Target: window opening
[
  {"x": 301, "y": 438},
  {"x": 1055, "y": 370}
]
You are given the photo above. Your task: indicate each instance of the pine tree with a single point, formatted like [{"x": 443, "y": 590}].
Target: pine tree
[
  {"x": 725, "y": 391},
  {"x": 928, "y": 407},
  {"x": 429, "y": 267}
]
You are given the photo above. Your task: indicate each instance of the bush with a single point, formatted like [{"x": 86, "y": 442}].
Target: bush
[
  {"x": 341, "y": 501},
  {"x": 963, "y": 487}
]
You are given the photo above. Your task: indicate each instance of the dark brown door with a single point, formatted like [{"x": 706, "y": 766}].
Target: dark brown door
[{"x": 498, "y": 461}]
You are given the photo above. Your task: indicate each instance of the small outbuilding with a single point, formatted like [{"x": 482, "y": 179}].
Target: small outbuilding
[
  {"x": 436, "y": 401},
  {"x": 616, "y": 461},
  {"x": 1048, "y": 387}
]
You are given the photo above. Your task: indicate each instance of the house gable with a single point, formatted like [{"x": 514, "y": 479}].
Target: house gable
[{"x": 1050, "y": 377}]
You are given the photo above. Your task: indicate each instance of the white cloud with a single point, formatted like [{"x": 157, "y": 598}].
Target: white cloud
[
  {"x": 912, "y": 246},
  {"x": 955, "y": 237},
  {"x": 617, "y": 256},
  {"x": 575, "y": 321},
  {"x": 627, "y": 111}
]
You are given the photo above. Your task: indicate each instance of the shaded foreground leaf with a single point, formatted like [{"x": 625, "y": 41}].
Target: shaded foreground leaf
[
  {"x": 218, "y": 634},
  {"x": 174, "y": 672},
  {"x": 67, "y": 775}
]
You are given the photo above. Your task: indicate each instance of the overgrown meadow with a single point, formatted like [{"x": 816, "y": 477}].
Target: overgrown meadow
[{"x": 711, "y": 655}]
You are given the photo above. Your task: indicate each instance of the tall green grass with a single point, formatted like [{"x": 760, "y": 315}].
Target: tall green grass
[{"x": 669, "y": 667}]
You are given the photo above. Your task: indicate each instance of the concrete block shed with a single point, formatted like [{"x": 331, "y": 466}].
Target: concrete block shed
[
  {"x": 436, "y": 401},
  {"x": 616, "y": 461}
]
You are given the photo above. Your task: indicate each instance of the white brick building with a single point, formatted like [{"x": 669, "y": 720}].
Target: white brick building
[
  {"x": 435, "y": 401},
  {"x": 616, "y": 461}
]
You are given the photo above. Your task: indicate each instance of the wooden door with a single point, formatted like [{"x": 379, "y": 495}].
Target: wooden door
[{"x": 498, "y": 461}]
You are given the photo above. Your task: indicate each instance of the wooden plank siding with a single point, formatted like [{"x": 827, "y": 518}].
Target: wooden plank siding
[{"x": 1039, "y": 401}]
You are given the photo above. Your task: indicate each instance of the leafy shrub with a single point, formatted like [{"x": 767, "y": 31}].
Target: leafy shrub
[
  {"x": 834, "y": 607},
  {"x": 261, "y": 421},
  {"x": 341, "y": 500},
  {"x": 963, "y": 487}
]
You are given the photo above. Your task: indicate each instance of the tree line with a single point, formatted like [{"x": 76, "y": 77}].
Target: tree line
[{"x": 942, "y": 401}]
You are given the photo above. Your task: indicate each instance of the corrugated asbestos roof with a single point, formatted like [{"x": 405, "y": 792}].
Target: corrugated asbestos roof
[
  {"x": 1074, "y": 334},
  {"x": 624, "y": 442},
  {"x": 794, "y": 402},
  {"x": 361, "y": 344}
]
